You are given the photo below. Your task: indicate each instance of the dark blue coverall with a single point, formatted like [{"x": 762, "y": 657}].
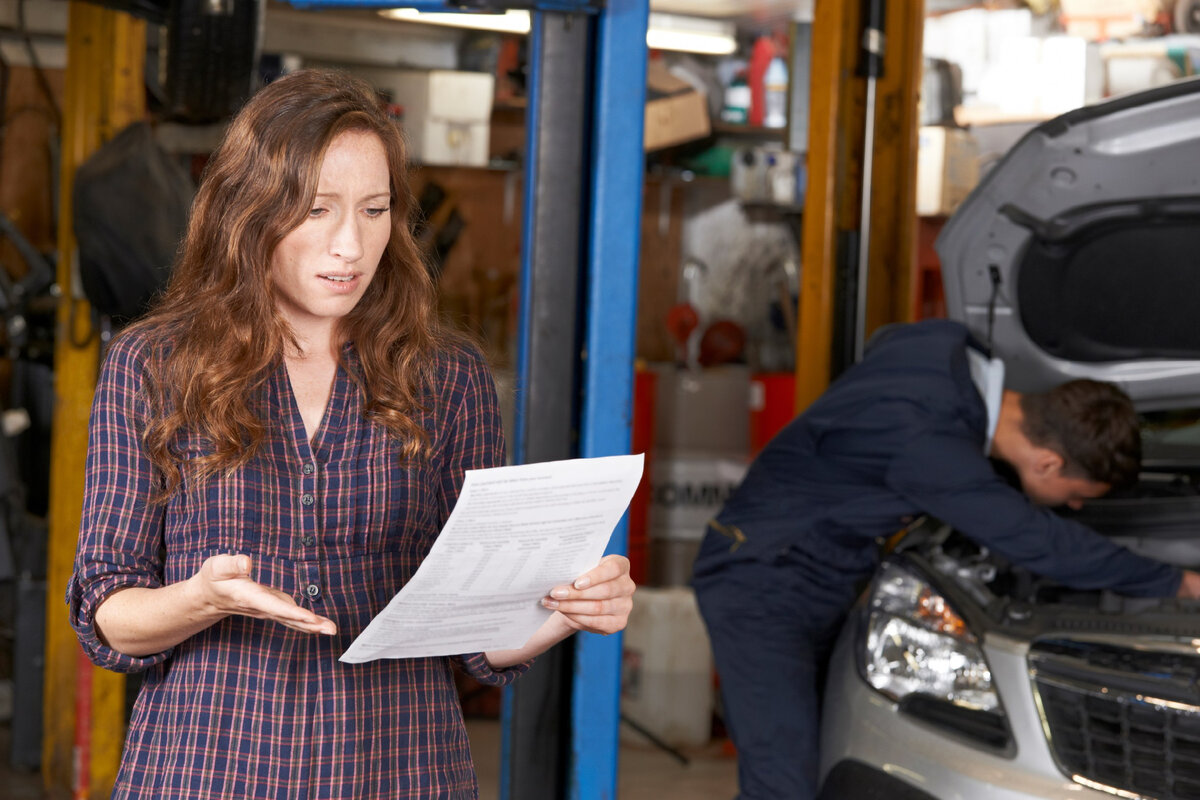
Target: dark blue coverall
[{"x": 899, "y": 434}]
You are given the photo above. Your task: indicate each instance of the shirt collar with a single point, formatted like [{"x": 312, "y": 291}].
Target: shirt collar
[{"x": 988, "y": 376}]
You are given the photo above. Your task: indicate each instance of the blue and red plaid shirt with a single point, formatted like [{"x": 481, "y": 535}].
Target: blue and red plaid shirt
[{"x": 250, "y": 708}]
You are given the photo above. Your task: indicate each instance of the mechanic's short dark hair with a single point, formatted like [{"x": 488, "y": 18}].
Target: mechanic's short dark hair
[{"x": 1092, "y": 425}]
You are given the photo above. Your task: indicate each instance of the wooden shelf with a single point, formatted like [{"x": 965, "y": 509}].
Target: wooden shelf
[
  {"x": 748, "y": 131},
  {"x": 767, "y": 205}
]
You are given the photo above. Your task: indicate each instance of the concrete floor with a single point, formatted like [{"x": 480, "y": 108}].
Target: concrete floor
[
  {"x": 20, "y": 784},
  {"x": 645, "y": 773}
]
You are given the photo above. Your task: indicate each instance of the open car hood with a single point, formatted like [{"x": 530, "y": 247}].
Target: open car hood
[{"x": 1078, "y": 254}]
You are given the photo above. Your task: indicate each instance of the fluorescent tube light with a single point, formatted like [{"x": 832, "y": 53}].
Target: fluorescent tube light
[
  {"x": 666, "y": 31},
  {"x": 690, "y": 34},
  {"x": 508, "y": 22}
]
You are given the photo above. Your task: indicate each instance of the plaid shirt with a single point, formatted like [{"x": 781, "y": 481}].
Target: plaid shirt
[{"x": 250, "y": 708}]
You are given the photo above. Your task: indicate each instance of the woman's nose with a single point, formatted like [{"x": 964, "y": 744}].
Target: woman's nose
[{"x": 347, "y": 239}]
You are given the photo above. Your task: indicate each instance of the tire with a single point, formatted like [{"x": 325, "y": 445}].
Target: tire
[{"x": 212, "y": 57}]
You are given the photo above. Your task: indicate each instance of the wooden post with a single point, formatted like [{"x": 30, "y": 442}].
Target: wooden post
[
  {"x": 893, "y": 255},
  {"x": 835, "y": 157},
  {"x": 104, "y": 92},
  {"x": 834, "y": 137}
]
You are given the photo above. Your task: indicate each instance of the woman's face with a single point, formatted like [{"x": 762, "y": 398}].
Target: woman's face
[{"x": 322, "y": 268}]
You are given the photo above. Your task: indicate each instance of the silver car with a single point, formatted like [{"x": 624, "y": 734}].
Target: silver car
[{"x": 959, "y": 675}]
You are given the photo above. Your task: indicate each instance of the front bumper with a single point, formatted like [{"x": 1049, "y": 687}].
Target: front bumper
[
  {"x": 864, "y": 782},
  {"x": 859, "y": 724}
]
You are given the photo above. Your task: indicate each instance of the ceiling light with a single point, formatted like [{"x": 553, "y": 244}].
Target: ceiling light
[
  {"x": 690, "y": 34},
  {"x": 508, "y": 22},
  {"x": 666, "y": 31}
]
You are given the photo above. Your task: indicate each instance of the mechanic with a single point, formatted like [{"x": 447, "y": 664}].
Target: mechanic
[{"x": 909, "y": 430}]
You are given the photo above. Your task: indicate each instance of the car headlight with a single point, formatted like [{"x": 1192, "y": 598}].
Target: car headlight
[{"x": 917, "y": 644}]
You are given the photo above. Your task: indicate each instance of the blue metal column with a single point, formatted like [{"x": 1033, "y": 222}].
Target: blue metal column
[{"x": 614, "y": 241}]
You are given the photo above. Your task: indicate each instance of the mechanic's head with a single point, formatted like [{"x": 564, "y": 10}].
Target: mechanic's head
[{"x": 1086, "y": 437}]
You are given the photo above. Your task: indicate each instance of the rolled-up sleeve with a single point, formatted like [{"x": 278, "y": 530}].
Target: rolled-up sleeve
[
  {"x": 476, "y": 665},
  {"x": 120, "y": 535}
]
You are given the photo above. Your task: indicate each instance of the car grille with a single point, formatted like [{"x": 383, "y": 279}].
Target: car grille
[{"x": 1121, "y": 718}]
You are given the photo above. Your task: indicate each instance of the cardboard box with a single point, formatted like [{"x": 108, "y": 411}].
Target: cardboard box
[
  {"x": 1042, "y": 77},
  {"x": 947, "y": 169},
  {"x": 446, "y": 113},
  {"x": 1099, "y": 20},
  {"x": 675, "y": 111},
  {"x": 1136, "y": 65},
  {"x": 439, "y": 141}
]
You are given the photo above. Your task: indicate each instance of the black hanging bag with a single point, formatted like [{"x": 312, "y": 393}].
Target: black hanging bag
[{"x": 131, "y": 202}]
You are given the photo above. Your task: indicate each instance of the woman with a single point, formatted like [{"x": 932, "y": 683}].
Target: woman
[{"x": 273, "y": 451}]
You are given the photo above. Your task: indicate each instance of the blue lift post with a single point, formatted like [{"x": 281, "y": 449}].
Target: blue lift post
[
  {"x": 579, "y": 297},
  {"x": 614, "y": 239}
]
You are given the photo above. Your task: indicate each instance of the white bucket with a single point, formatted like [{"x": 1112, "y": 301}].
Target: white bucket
[{"x": 667, "y": 677}]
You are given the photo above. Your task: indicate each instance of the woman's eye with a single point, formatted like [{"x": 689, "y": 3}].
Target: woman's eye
[
  {"x": 377, "y": 212},
  {"x": 316, "y": 212}
]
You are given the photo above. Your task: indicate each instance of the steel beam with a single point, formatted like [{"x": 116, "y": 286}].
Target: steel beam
[{"x": 535, "y": 751}]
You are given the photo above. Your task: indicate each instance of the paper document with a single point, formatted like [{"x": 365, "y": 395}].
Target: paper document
[{"x": 515, "y": 533}]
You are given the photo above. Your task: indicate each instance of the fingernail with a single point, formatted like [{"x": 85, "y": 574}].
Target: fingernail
[
  {"x": 329, "y": 628},
  {"x": 583, "y": 583},
  {"x": 548, "y": 603},
  {"x": 243, "y": 564},
  {"x": 560, "y": 593}
]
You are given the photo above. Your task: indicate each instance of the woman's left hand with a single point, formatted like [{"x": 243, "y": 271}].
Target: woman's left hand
[{"x": 599, "y": 600}]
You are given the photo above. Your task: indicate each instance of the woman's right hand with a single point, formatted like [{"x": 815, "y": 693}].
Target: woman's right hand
[
  {"x": 224, "y": 583},
  {"x": 141, "y": 621}
]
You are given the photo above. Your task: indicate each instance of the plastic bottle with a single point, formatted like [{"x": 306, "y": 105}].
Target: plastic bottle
[
  {"x": 736, "y": 110},
  {"x": 775, "y": 85},
  {"x": 760, "y": 59}
]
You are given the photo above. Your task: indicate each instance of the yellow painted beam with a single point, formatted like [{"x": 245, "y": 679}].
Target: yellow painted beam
[
  {"x": 835, "y": 157},
  {"x": 104, "y": 92}
]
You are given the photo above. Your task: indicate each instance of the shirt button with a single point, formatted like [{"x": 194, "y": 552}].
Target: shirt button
[
  {"x": 306, "y": 499},
  {"x": 309, "y": 540},
  {"x": 312, "y": 590},
  {"x": 308, "y": 469}
]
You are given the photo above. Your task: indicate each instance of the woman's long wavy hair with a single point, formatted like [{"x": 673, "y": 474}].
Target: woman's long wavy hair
[{"x": 219, "y": 333}]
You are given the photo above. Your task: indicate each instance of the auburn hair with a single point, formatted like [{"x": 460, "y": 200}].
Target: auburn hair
[{"x": 218, "y": 334}]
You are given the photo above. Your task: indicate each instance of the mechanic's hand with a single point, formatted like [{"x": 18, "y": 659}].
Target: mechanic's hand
[
  {"x": 598, "y": 601},
  {"x": 1189, "y": 587},
  {"x": 224, "y": 582}
]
